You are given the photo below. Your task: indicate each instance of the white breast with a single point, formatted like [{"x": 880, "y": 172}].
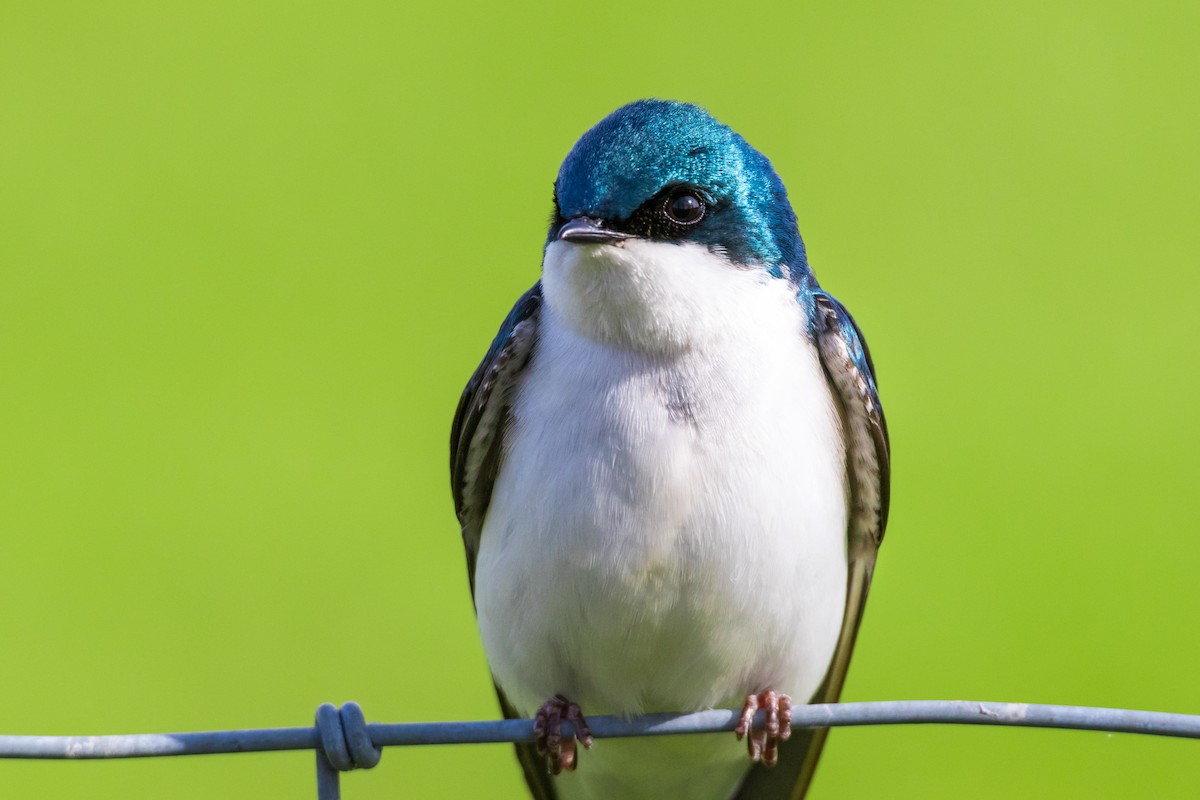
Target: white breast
[{"x": 668, "y": 528}]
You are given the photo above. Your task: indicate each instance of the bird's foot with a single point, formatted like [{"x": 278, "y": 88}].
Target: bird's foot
[
  {"x": 560, "y": 752},
  {"x": 763, "y": 744}
]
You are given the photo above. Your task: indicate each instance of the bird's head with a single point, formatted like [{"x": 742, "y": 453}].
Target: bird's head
[{"x": 661, "y": 214}]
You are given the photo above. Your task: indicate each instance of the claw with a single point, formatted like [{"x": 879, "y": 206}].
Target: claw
[
  {"x": 560, "y": 753},
  {"x": 763, "y": 744}
]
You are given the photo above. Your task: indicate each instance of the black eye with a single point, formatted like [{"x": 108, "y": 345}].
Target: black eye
[{"x": 684, "y": 208}]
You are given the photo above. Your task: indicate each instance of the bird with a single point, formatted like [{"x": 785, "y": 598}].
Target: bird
[{"x": 671, "y": 471}]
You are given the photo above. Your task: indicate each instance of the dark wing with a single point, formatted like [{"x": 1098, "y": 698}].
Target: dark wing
[
  {"x": 851, "y": 375},
  {"x": 477, "y": 436},
  {"x": 476, "y": 446}
]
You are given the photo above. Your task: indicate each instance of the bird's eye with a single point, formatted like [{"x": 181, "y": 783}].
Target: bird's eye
[{"x": 684, "y": 208}]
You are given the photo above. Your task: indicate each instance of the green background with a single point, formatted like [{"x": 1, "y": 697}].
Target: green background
[{"x": 249, "y": 254}]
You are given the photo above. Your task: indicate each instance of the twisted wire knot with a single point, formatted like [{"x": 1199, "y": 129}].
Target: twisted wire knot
[{"x": 345, "y": 741}]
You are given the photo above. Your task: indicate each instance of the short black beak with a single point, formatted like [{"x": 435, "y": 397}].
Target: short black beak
[{"x": 585, "y": 230}]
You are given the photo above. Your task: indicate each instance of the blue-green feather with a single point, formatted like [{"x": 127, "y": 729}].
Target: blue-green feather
[{"x": 641, "y": 148}]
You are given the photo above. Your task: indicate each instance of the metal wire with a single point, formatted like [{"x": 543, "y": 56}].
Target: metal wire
[{"x": 343, "y": 740}]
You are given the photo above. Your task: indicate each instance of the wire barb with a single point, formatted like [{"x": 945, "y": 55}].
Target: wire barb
[{"x": 343, "y": 744}]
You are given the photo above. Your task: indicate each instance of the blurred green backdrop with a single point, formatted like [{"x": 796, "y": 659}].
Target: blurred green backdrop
[{"x": 249, "y": 254}]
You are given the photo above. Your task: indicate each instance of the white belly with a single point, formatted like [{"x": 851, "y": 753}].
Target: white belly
[{"x": 667, "y": 533}]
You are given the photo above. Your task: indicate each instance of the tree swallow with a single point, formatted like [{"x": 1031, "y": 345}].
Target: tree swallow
[{"x": 671, "y": 470}]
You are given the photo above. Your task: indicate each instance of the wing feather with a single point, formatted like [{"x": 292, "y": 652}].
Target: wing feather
[
  {"x": 476, "y": 437},
  {"x": 476, "y": 446}
]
